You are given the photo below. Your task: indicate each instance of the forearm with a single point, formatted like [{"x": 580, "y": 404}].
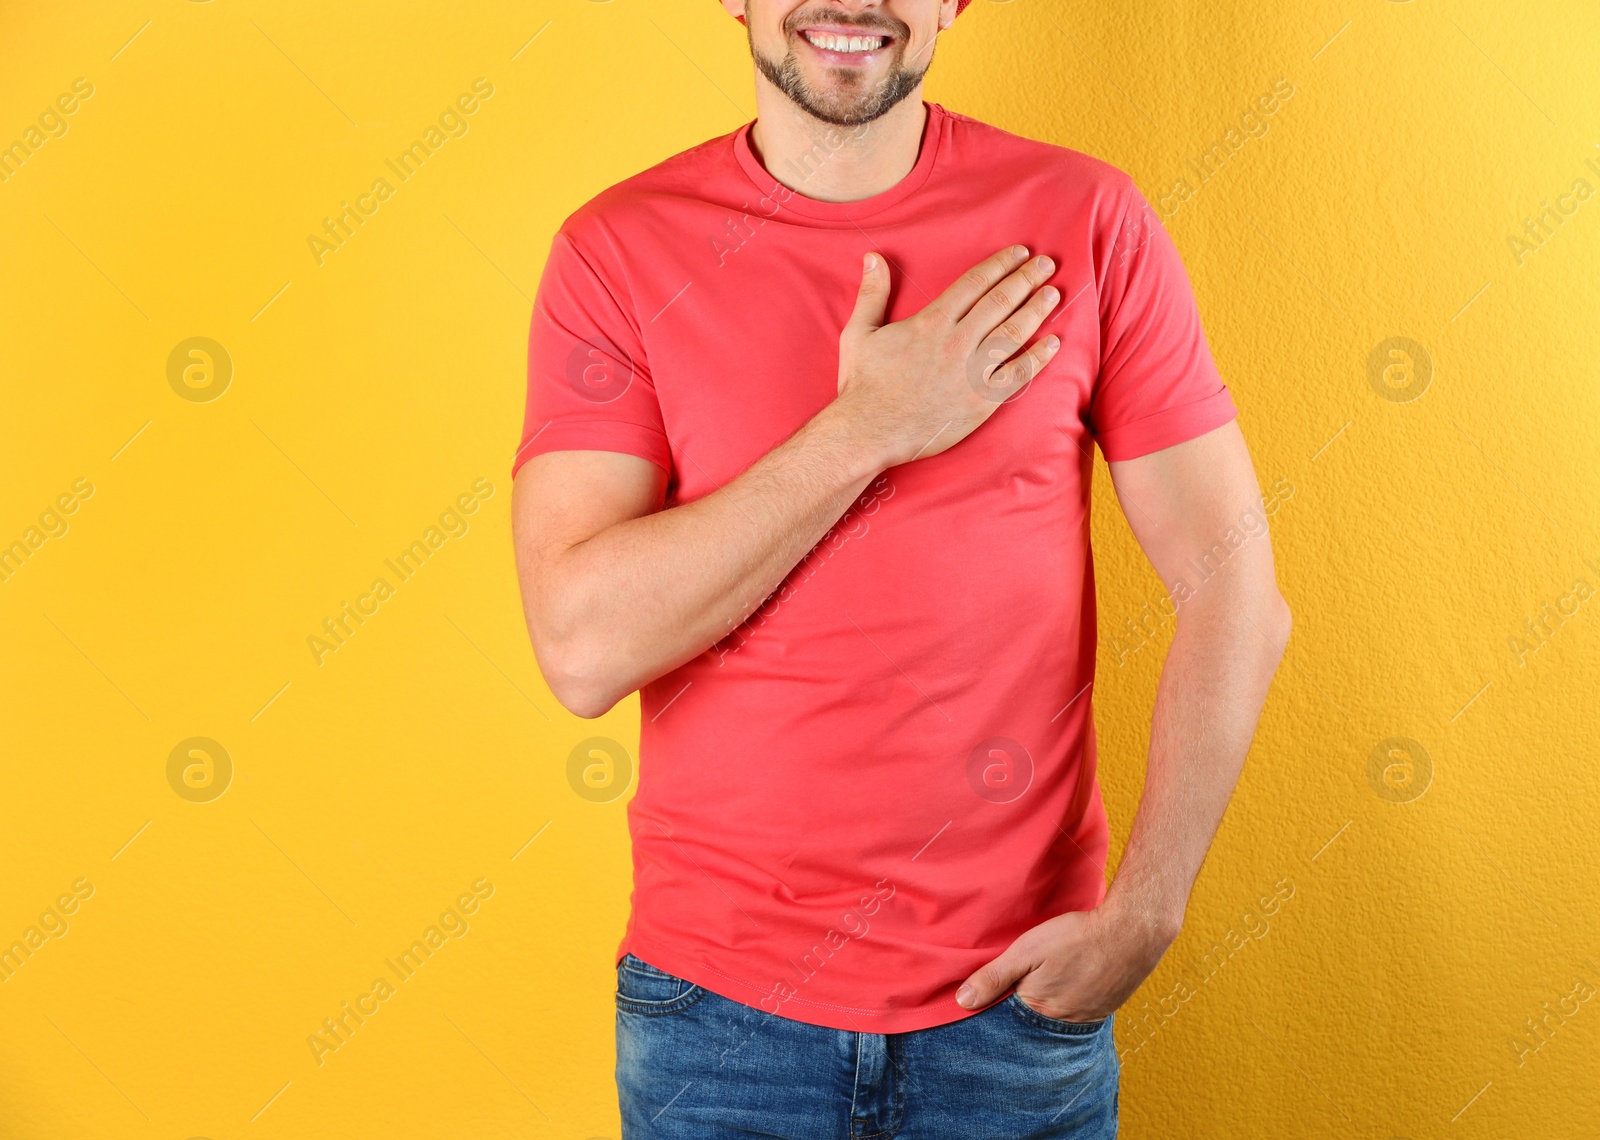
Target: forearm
[
  {"x": 1213, "y": 685},
  {"x": 645, "y": 595}
]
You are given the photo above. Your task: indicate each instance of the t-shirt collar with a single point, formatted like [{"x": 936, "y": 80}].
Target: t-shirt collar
[{"x": 842, "y": 212}]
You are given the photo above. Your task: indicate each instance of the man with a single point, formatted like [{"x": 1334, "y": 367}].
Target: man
[{"x": 806, "y": 462}]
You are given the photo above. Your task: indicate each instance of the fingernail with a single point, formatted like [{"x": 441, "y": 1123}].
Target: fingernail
[
  {"x": 1052, "y": 342},
  {"x": 1051, "y": 294},
  {"x": 964, "y": 996},
  {"x": 1019, "y": 252},
  {"x": 872, "y": 261}
]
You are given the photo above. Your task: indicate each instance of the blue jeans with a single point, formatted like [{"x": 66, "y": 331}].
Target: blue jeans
[{"x": 693, "y": 1065}]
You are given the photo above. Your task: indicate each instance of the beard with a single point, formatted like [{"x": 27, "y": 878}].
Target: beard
[{"x": 856, "y": 104}]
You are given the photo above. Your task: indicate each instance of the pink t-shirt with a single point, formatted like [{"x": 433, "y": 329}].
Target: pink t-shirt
[{"x": 887, "y": 773}]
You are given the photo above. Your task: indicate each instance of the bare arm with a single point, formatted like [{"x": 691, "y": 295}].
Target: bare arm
[
  {"x": 1188, "y": 507},
  {"x": 618, "y": 591},
  {"x": 1195, "y": 508}
]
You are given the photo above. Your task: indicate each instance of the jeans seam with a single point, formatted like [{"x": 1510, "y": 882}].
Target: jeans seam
[
  {"x": 660, "y": 1009},
  {"x": 1054, "y": 1024},
  {"x": 690, "y": 994},
  {"x": 897, "y": 1114}
]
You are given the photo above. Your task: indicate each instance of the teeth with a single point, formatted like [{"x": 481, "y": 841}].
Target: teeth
[{"x": 831, "y": 42}]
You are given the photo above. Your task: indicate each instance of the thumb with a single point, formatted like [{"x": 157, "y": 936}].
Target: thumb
[
  {"x": 986, "y": 985},
  {"x": 873, "y": 298}
]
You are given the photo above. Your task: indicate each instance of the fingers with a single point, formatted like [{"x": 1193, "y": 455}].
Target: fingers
[
  {"x": 1002, "y": 301},
  {"x": 955, "y": 302},
  {"x": 873, "y": 296},
  {"x": 996, "y": 371},
  {"x": 989, "y": 982},
  {"x": 1006, "y": 380}
]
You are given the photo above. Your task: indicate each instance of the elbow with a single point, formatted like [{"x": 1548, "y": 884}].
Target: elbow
[
  {"x": 586, "y": 703},
  {"x": 1252, "y": 612},
  {"x": 576, "y": 679}
]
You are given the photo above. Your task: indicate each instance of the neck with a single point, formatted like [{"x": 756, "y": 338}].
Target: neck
[{"x": 832, "y": 163}]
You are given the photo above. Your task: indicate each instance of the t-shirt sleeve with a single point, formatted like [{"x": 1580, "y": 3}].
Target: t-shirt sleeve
[
  {"x": 1158, "y": 385},
  {"x": 589, "y": 385}
]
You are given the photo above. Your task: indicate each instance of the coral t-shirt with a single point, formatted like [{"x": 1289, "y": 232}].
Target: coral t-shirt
[{"x": 887, "y": 773}]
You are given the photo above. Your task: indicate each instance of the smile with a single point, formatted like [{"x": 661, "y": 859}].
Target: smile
[{"x": 841, "y": 44}]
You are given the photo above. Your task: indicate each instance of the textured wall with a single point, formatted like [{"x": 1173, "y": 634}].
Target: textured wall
[{"x": 1395, "y": 934}]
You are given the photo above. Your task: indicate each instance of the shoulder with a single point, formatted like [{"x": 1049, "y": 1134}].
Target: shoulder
[
  {"x": 1061, "y": 169},
  {"x": 650, "y": 196}
]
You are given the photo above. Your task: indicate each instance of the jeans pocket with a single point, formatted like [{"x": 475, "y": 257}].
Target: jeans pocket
[
  {"x": 1054, "y": 1024},
  {"x": 645, "y": 989}
]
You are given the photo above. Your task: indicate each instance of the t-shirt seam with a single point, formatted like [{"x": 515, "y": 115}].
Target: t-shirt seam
[
  {"x": 647, "y": 940},
  {"x": 603, "y": 420},
  {"x": 1116, "y": 244},
  {"x": 1103, "y": 432},
  {"x": 527, "y": 450},
  {"x": 627, "y": 310},
  {"x": 663, "y": 460}
]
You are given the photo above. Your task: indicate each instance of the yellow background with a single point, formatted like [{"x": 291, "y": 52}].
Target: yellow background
[{"x": 1381, "y": 1000}]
